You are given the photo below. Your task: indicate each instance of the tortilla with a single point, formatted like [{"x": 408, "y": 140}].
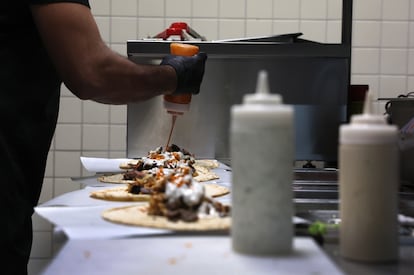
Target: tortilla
[
  {"x": 207, "y": 163},
  {"x": 115, "y": 178},
  {"x": 204, "y": 174},
  {"x": 129, "y": 164},
  {"x": 138, "y": 216},
  {"x": 118, "y": 194},
  {"x": 122, "y": 194}
]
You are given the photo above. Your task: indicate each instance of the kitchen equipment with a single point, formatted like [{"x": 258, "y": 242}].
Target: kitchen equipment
[
  {"x": 313, "y": 77},
  {"x": 356, "y": 96},
  {"x": 172, "y": 254},
  {"x": 179, "y": 31},
  {"x": 401, "y": 113}
]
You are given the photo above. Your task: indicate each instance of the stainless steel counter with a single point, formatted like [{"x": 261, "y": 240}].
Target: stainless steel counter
[
  {"x": 91, "y": 245},
  {"x": 405, "y": 265},
  {"x": 183, "y": 254}
]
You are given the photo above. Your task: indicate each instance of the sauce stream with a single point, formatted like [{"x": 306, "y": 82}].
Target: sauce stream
[{"x": 174, "y": 118}]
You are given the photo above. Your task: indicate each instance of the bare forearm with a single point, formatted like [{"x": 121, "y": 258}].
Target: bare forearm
[
  {"x": 117, "y": 80},
  {"x": 87, "y": 66}
]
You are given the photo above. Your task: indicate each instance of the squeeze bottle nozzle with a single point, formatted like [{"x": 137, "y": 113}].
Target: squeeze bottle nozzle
[
  {"x": 262, "y": 86},
  {"x": 368, "y": 116},
  {"x": 262, "y": 94},
  {"x": 368, "y": 103}
]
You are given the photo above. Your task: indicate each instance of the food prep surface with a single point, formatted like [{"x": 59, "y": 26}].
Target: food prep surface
[
  {"x": 94, "y": 246},
  {"x": 184, "y": 255}
]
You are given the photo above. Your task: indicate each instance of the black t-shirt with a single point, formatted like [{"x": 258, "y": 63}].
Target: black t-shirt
[{"x": 29, "y": 102}]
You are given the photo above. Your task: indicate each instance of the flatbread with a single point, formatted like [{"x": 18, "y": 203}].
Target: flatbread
[
  {"x": 204, "y": 174},
  {"x": 122, "y": 194},
  {"x": 207, "y": 163},
  {"x": 129, "y": 164},
  {"x": 115, "y": 178},
  {"x": 118, "y": 194},
  {"x": 138, "y": 216}
]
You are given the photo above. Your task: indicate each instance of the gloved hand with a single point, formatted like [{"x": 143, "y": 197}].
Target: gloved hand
[{"x": 190, "y": 71}]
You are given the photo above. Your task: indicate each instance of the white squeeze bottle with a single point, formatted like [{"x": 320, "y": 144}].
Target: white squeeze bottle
[
  {"x": 262, "y": 153},
  {"x": 368, "y": 188}
]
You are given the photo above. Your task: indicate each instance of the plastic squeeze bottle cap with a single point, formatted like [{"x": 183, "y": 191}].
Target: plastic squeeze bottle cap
[
  {"x": 263, "y": 104},
  {"x": 179, "y": 104},
  {"x": 368, "y": 128},
  {"x": 262, "y": 95}
]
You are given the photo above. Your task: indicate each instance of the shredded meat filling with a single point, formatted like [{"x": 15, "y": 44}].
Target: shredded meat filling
[{"x": 159, "y": 206}]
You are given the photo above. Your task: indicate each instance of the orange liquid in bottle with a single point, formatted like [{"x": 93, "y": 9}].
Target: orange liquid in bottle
[{"x": 184, "y": 50}]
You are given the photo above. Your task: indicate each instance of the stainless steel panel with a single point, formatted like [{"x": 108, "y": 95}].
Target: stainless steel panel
[{"x": 315, "y": 85}]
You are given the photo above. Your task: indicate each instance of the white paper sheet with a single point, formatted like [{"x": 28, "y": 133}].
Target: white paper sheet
[
  {"x": 87, "y": 223},
  {"x": 79, "y": 198},
  {"x": 100, "y": 165},
  {"x": 79, "y": 216}
]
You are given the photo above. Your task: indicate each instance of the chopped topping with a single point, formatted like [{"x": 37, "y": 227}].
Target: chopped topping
[
  {"x": 135, "y": 189},
  {"x": 185, "y": 202},
  {"x": 150, "y": 172},
  {"x": 168, "y": 177},
  {"x": 173, "y": 157},
  {"x": 145, "y": 183},
  {"x": 133, "y": 174}
]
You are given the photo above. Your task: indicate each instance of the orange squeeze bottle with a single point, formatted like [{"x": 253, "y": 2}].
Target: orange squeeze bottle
[{"x": 178, "y": 104}]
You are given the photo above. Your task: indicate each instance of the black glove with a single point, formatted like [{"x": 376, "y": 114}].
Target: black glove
[{"x": 190, "y": 71}]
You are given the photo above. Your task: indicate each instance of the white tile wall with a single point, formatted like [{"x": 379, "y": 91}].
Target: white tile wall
[
  {"x": 148, "y": 27},
  {"x": 124, "y": 8},
  {"x": 231, "y": 28},
  {"x": 366, "y": 60},
  {"x": 202, "y": 8},
  {"x": 396, "y": 9},
  {"x": 259, "y": 9},
  {"x": 366, "y": 34},
  {"x": 258, "y": 27},
  {"x": 104, "y": 23},
  {"x": 208, "y": 27},
  {"x": 411, "y": 62},
  {"x": 334, "y": 9},
  {"x": 332, "y": 33},
  {"x": 232, "y": 9},
  {"x": 411, "y": 83},
  {"x": 286, "y": 26},
  {"x": 68, "y": 137},
  {"x": 95, "y": 112},
  {"x": 394, "y": 61},
  {"x": 178, "y": 8},
  {"x": 382, "y": 56},
  {"x": 120, "y": 33},
  {"x": 101, "y": 7},
  {"x": 314, "y": 9},
  {"x": 314, "y": 30},
  {"x": 155, "y": 8},
  {"x": 367, "y": 9}
]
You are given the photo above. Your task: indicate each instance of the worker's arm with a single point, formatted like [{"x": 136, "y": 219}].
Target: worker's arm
[{"x": 87, "y": 66}]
